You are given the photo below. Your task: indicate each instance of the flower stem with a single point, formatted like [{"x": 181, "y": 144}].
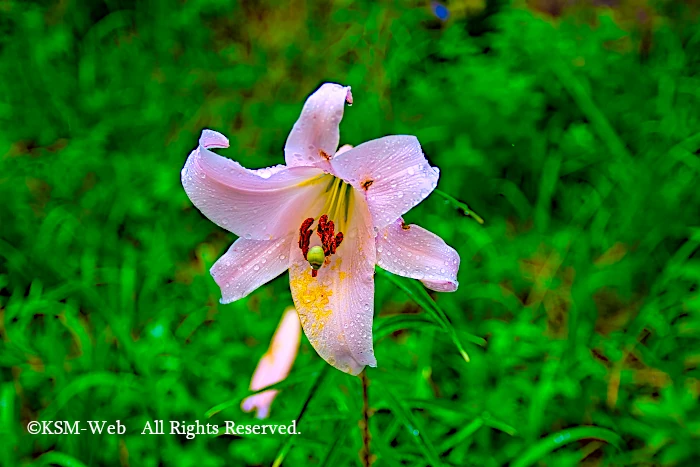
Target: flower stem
[{"x": 365, "y": 454}]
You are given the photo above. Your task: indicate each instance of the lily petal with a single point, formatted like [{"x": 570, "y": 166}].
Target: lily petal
[
  {"x": 315, "y": 136},
  {"x": 255, "y": 204},
  {"x": 248, "y": 264},
  {"x": 411, "y": 251},
  {"x": 275, "y": 365},
  {"x": 336, "y": 308},
  {"x": 392, "y": 172}
]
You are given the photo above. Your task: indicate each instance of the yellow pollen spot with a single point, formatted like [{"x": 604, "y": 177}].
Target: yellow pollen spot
[{"x": 313, "y": 301}]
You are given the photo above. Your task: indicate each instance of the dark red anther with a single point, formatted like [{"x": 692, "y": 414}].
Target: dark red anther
[
  {"x": 337, "y": 241},
  {"x": 305, "y": 235},
  {"x": 329, "y": 239},
  {"x": 325, "y": 233}
]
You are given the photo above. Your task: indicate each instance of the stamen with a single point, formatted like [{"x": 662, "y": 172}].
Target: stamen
[
  {"x": 305, "y": 236},
  {"x": 339, "y": 201},
  {"x": 319, "y": 255},
  {"x": 326, "y": 230},
  {"x": 338, "y": 239}
]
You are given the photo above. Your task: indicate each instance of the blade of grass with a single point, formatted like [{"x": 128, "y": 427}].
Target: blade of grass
[
  {"x": 390, "y": 324},
  {"x": 410, "y": 423},
  {"x": 418, "y": 294},
  {"x": 341, "y": 432},
  {"x": 556, "y": 440},
  {"x": 460, "y": 205},
  {"x": 462, "y": 435},
  {"x": 58, "y": 458},
  {"x": 290, "y": 439},
  {"x": 118, "y": 381},
  {"x": 8, "y": 423}
]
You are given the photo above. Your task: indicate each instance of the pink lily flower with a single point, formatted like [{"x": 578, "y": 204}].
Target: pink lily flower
[
  {"x": 353, "y": 198},
  {"x": 275, "y": 365}
]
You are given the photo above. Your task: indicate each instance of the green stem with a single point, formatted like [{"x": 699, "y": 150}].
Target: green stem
[
  {"x": 460, "y": 205},
  {"x": 365, "y": 454}
]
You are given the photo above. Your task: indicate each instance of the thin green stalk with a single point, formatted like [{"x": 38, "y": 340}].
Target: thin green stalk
[{"x": 460, "y": 205}]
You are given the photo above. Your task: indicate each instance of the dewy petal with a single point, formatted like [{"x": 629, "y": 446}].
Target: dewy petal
[
  {"x": 392, "y": 172},
  {"x": 315, "y": 136},
  {"x": 275, "y": 365},
  {"x": 411, "y": 251},
  {"x": 249, "y": 264},
  {"x": 336, "y": 308},
  {"x": 256, "y": 204}
]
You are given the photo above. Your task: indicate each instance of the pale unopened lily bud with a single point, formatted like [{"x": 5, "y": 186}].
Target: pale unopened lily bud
[{"x": 274, "y": 366}]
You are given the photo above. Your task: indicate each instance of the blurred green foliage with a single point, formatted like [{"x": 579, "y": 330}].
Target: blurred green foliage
[{"x": 575, "y": 136}]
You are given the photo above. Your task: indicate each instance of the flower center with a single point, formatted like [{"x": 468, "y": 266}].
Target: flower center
[
  {"x": 338, "y": 201},
  {"x": 317, "y": 256}
]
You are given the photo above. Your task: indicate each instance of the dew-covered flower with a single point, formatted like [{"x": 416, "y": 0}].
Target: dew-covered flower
[
  {"x": 274, "y": 366},
  {"x": 328, "y": 217}
]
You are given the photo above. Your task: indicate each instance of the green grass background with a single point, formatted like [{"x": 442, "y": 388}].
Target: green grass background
[{"x": 572, "y": 129}]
